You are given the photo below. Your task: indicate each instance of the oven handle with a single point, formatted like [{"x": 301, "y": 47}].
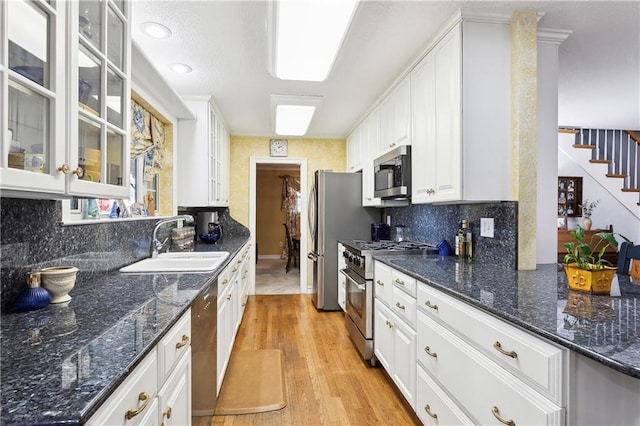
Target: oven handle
[{"x": 357, "y": 284}]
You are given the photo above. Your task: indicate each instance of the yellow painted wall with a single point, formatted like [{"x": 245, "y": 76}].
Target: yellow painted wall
[{"x": 320, "y": 154}]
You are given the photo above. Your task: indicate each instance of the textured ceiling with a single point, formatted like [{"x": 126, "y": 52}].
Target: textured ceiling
[{"x": 226, "y": 43}]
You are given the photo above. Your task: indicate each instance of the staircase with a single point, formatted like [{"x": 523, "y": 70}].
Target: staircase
[{"x": 618, "y": 150}]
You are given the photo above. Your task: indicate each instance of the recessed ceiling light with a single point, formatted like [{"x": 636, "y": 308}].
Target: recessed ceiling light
[
  {"x": 308, "y": 35},
  {"x": 293, "y": 113},
  {"x": 180, "y": 68},
  {"x": 155, "y": 30},
  {"x": 293, "y": 120}
]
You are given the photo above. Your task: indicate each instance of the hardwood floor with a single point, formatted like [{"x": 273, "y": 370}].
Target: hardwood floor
[{"x": 327, "y": 381}]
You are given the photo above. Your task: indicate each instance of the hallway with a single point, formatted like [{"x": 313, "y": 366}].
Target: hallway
[{"x": 272, "y": 279}]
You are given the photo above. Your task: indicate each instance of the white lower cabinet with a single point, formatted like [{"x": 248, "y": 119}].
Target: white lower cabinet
[
  {"x": 175, "y": 395},
  {"x": 232, "y": 296},
  {"x": 434, "y": 406},
  {"x": 486, "y": 391},
  {"x": 158, "y": 389},
  {"x": 456, "y": 364},
  {"x": 395, "y": 348}
]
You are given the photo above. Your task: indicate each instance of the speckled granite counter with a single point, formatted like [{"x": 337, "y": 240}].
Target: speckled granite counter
[
  {"x": 603, "y": 328},
  {"x": 60, "y": 363}
]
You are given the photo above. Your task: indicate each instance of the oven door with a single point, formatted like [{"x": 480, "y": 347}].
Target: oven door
[{"x": 360, "y": 302}]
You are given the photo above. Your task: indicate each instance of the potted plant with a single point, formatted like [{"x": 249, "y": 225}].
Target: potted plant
[
  {"x": 584, "y": 265},
  {"x": 587, "y": 210}
]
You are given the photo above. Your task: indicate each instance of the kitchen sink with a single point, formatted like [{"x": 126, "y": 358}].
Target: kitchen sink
[{"x": 179, "y": 262}]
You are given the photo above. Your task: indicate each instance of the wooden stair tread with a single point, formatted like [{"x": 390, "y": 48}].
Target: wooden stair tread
[
  {"x": 580, "y": 146},
  {"x": 630, "y": 189},
  {"x": 614, "y": 175},
  {"x": 572, "y": 131},
  {"x": 600, "y": 161}
]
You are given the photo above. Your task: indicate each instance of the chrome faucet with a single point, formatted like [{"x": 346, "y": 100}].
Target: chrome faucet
[{"x": 156, "y": 245}]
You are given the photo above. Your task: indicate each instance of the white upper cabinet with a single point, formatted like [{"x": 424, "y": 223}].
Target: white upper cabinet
[
  {"x": 461, "y": 116},
  {"x": 371, "y": 146},
  {"x": 32, "y": 82},
  {"x": 99, "y": 94},
  {"x": 354, "y": 150},
  {"x": 203, "y": 157},
  {"x": 395, "y": 117},
  {"x": 67, "y": 115}
]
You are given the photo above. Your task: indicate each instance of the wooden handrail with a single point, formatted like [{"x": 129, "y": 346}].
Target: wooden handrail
[{"x": 634, "y": 136}]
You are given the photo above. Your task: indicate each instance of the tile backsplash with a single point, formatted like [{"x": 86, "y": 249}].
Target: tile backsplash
[
  {"x": 32, "y": 237},
  {"x": 432, "y": 223}
]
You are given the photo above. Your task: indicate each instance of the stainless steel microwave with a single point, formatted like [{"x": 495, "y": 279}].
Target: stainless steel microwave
[{"x": 392, "y": 172}]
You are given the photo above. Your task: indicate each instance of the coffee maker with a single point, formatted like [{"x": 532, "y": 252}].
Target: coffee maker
[{"x": 208, "y": 228}]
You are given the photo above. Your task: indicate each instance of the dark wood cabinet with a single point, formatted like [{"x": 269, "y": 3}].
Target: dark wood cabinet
[{"x": 569, "y": 196}]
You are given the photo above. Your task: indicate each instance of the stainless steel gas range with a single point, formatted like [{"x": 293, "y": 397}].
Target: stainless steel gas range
[{"x": 358, "y": 257}]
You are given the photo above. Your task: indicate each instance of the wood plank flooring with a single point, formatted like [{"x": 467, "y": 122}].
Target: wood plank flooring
[{"x": 327, "y": 381}]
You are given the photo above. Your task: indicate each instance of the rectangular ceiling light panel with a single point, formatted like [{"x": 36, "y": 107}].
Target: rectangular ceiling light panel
[
  {"x": 293, "y": 120},
  {"x": 309, "y": 35}
]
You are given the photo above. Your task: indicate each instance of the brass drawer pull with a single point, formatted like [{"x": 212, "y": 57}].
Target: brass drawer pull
[
  {"x": 399, "y": 281},
  {"x": 166, "y": 414},
  {"x": 183, "y": 342},
  {"x": 389, "y": 324},
  {"x": 144, "y": 397},
  {"x": 399, "y": 306},
  {"x": 498, "y": 347},
  {"x": 427, "y": 349},
  {"x": 225, "y": 281},
  {"x": 428, "y": 410},
  {"x": 429, "y": 305},
  {"x": 380, "y": 283},
  {"x": 496, "y": 414}
]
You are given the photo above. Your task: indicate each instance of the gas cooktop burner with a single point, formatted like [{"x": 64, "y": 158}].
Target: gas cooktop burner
[{"x": 391, "y": 245}]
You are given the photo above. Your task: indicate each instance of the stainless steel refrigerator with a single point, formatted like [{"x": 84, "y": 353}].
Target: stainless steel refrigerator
[{"x": 335, "y": 213}]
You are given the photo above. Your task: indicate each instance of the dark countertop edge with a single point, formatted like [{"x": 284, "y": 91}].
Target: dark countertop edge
[
  {"x": 609, "y": 362},
  {"x": 79, "y": 418}
]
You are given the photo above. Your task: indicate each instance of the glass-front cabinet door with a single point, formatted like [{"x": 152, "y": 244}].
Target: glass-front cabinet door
[
  {"x": 33, "y": 96},
  {"x": 99, "y": 95}
]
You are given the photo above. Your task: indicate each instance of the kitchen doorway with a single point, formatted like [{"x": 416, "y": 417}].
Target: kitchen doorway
[{"x": 280, "y": 167}]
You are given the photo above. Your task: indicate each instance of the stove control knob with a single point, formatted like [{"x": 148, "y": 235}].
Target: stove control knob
[{"x": 357, "y": 261}]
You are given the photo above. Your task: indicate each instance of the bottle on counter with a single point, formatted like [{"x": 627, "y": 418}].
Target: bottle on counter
[
  {"x": 468, "y": 243},
  {"x": 460, "y": 248}
]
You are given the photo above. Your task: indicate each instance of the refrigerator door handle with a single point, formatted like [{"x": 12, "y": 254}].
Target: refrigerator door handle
[
  {"x": 312, "y": 256},
  {"x": 312, "y": 212}
]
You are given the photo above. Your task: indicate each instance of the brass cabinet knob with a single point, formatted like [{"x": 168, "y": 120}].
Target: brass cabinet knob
[
  {"x": 142, "y": 397},
  {"x": 64, "y": 169},
  {"x": 183, "y": 342},
  {"x": 427, "y": 350},
  {"x": 78, "y": 172},
  {"x": 427, "y": 408},
  {"x": 430, "y": 305},
  {"x": 498, "y": 346},
  {"x": 496, "y": 413}
]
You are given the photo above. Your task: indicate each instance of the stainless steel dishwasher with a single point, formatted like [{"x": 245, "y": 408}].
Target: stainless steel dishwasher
[{"x": 204, "y": 333}]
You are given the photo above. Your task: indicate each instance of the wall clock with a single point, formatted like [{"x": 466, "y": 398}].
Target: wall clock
[{"x": 278, "y": 148}]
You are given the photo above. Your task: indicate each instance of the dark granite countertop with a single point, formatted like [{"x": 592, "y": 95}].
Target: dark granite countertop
[
  {"x": 60, "y": 363},
  {"x": 603, "y": 328}
]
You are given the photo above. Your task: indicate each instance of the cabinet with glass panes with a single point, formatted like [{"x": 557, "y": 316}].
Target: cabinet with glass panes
[
  {"x": 33, "y": 91},
  {"x": 99, "y": 98},
  {"x": 46, "y": 85},
  {"x": 569, "y": 196}
]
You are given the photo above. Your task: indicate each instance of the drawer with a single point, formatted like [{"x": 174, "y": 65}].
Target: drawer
[
  {"x": 403, "y": 281},
  {"x": 433, "y": 405},
  {"x": 534, "y": 360},
  {"x": 404, "y": 306},
  {"x": 175, "y": 343},
  {"x": 383, "y": 287},
  {"x": 484, "y": 389},
  {"x": 142, "y": 382}
]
